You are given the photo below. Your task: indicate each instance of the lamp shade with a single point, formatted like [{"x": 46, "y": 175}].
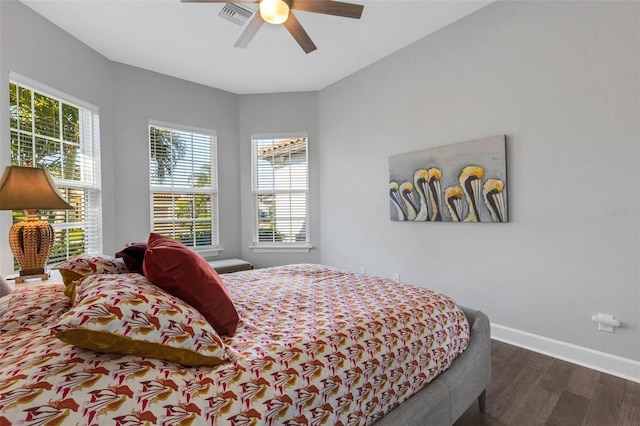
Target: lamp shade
[{"x": 29, "y": 188}]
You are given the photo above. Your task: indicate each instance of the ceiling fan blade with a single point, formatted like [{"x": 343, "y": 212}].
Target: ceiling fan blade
[
  {"x": 293, "y": 25},
  {"x": 329, "y": 7},
  {"x": 250, "y": 31}
]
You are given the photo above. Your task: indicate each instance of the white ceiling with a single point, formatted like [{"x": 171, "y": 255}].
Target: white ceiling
[{"x": 190, "y": 41}]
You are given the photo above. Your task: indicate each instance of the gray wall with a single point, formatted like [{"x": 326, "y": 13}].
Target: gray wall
[
  {"x": 142, "y": 95},
  {"x": 53, "y": 57},
  {"x": 127, "y": 98},
  {"x": 277, "y": 114},
  {"x": 561, "y": 80}
]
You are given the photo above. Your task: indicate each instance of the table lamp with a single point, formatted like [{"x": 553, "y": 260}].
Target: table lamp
[{"x": 30, "y": 189}]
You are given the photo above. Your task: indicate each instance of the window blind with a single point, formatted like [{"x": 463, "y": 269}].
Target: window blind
[
  {"x": 280, "y": 190},
  {"x": 51, "y": 132},
  {"x": 183, "y": 181}
]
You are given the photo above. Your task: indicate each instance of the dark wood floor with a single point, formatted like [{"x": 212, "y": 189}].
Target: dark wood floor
[{"x": 528, "y": 388}]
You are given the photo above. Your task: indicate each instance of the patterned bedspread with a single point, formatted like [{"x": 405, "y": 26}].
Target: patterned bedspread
[{"x": 315, "y": 345}]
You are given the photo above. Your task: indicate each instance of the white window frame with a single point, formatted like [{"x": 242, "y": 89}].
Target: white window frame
[
  {"x": 206, "y": 250},
  {"x": 274, "y": 246},
  {"x": 91, "y": 178}
]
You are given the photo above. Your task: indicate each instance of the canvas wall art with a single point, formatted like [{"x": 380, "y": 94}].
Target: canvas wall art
[{"x": 465, "y": 182}]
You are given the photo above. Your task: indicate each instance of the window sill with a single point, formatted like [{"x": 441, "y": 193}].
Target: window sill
[
  {"x": 281, "y": 249},
  {"x": 208, "y": 251}
]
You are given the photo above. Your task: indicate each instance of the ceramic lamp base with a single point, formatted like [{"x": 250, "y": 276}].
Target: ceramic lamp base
[
  {"x": 31, "y": 243},
  {"x": 23, "y": 278}
]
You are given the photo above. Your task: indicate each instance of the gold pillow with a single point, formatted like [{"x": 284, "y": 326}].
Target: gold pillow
[{"x": 127, "y": 314}]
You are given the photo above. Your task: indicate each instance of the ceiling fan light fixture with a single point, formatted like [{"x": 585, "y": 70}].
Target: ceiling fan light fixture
[{"x": 274, "y": 11}]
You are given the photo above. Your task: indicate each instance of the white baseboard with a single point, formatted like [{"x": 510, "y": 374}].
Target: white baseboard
[{"x": 611, "y": 364}]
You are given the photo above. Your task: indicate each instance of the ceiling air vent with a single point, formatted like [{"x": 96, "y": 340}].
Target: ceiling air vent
[{"x": 235, "y": 13}]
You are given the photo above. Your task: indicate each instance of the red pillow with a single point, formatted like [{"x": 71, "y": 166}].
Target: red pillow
[
  {"x": 133, "y": 255},
  {"x": 182, "y": 272}
]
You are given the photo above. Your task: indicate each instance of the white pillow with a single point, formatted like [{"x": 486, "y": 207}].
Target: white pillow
[{"x": 5, "y": 287}]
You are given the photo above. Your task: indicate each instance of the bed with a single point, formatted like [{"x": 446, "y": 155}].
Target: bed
[{"x": 313, "y": 345}]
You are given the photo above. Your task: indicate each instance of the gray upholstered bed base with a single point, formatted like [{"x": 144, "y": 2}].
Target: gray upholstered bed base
[{"x": 448, "y": 396}]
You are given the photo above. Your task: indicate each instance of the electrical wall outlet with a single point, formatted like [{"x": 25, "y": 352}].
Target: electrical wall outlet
[
  {"x": 606, "y": 322},
  {"x": 363, "y": 270},
  {"x": 396, "y": 276},
  {"x": 606, "y": 327}
]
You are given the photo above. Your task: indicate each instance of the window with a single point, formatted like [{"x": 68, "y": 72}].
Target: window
[
  {"x": 280, "y": 192},
  {"x": 183, "y": 177},
  {"x": 56, "y": 132}
]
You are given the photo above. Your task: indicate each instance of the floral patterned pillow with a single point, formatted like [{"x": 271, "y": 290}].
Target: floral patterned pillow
[
  {"x": 86, "y": 264},
  {"x": 127, "y": 314}
]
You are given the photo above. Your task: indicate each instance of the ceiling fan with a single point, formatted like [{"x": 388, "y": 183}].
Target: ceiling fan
[{"x": 279, "y": 12}]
